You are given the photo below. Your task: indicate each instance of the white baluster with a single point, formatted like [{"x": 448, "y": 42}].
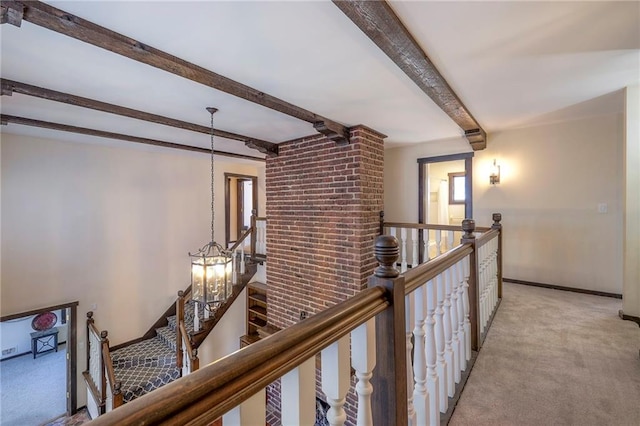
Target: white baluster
[
  {"x": 459, "y": 277},
  {"x": 298, "y": 394},
  {"x": 455, "y": 339},
  {"x": 242, "y": 260},
  {"x": 441, "y": 367},
  {"x": 251, "y": 412},
  {"x": 363, "y": 360},
  {"x": 420, "y": 396},
  {"x": 425, "y": 245},
  {"x": 438, "y": 242},
  {"x": 196, "y": 317},
  {"x": 409, "y": 317},
  {"x": 448, "y": 349},
  {"x": 450, "y": 240},
  {"x": 234, "y": 267},
  {"x": 414, "y": 248},
  {"x": 431, "y": 296},
  {"x": 403, "y": 249},
  {"x": 467, "y": 308},
  {"x": 336, "y": 374}
]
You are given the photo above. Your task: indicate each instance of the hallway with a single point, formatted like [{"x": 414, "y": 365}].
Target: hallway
[{"x": 554, "y": 358}]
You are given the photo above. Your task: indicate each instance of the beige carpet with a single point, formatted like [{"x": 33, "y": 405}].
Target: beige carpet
[{"x": 555, "y": 358}]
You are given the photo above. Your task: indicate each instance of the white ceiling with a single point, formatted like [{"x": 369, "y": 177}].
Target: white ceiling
[{"x": 512, "y": 64}]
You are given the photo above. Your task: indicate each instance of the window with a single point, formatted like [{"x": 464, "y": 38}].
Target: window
[{"x": 457, "y": 188}]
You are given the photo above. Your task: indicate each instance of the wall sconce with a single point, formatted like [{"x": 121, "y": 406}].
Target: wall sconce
[{"x": 494, "y": 178}]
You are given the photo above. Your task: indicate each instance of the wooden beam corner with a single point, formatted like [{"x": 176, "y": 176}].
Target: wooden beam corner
[
  {"x": 11, "y": 13},
  {"x": 269, "y": 149},
  {"x": 333, "y": 131},
  {"x": 477, "y": 139}
]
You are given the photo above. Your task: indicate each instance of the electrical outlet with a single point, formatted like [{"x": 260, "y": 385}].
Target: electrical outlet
[
  {"x": 603, "y": 208},
  {"x": 94, "y": 306},
  {"x": 10, "y": 351}
]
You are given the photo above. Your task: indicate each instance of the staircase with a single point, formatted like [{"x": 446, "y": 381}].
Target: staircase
[{"x": 147, "y": 365}]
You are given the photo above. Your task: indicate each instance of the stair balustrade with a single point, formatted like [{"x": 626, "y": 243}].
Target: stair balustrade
[
  {"x": 408, "y": 337},
  {"x": 421, "y": 242}
]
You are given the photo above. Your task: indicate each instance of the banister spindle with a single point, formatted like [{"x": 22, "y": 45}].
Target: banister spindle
[
  {"x": 297, "y": 389},
  {"x": 455, "y": 342},
  {"x": 448, "y": 350},
  {"x": 425, "y": 245},
  {"x": 468, "y": 227},
  {"x": 336, "y": 373},
  {"x": 363, "y": 360},
  {"x": 438, "y": 242},
  {"x": 414, "y": 248},
  {"x": 420, "y": 396},
  {"x": 409, "y": 318},
  {"x": 431, "y": 297},
  {"x": 442, "y": 369},
  {"x": 462, "y": 336},
  {"x": 403, "y": 250}
]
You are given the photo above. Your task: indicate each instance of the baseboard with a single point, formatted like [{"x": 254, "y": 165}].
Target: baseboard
[
  {"x": 559, "y": 287},
  {"x": 629, "y": 317}
]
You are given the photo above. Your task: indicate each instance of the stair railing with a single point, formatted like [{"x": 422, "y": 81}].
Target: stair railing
[
  {"x": 102, "y": 386},
  {"x": 259, "y": 236},
  {"x": 408, "y": 337},
  {"x": 421, "y": 242},
  {"x": 113, "y": 388},
  {"x": 187, "y": 360},
  {"x": 94, "y": 375}
]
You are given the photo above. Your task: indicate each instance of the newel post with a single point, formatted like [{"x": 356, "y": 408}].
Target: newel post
[
  {"x": 389, "y": 398},
  {"x": 90, "y": 322},
  {"x": 254, "y": 214},
  {"x": 179, "y": 319},
  {"x": 497, "y": 217},
  {"x": 469, "y": 227}
]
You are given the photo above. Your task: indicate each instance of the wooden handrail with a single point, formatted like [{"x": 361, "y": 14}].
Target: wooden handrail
[
  {"x": 431, "y": 226},
  {"x": 242, "y": 238},
  {"x": 206, "y": 394},
  {"x": 419, "y": 275},
  {"x": 189, "y": 348},
  {"x": 486, "y": 237}
]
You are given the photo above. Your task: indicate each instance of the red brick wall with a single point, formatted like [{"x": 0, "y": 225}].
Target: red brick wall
[
  {"x": 323, "y": 205},
  {"x": 323, "y": 214}
]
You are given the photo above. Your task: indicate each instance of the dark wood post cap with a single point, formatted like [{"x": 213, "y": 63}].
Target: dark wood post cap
[
  {"x": 469, "y": 227},
  {"x": 497, "y": 217},
  {"x": 386, "y": 251},
  {"x": 104, "y": 334},
  {"x": 180, "y": 293},
  {"x": 90, "y": 314}
]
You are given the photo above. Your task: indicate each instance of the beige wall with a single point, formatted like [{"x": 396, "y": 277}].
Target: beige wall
[
  {"x": 553, "y": 178},
  {"x": 631, "y": 290},
  {"x": 104, "y": 225}
]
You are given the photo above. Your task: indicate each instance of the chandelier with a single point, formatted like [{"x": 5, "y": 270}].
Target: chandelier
[{"x": 211, "y": 265}]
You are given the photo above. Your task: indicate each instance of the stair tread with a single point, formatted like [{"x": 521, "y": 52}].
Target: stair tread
[
  {"x": 143, "y": 353},
  {"x": 140, "y": 380}
]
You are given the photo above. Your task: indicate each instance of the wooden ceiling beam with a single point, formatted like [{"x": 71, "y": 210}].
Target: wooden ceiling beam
[
  {"x": 379, "y": 22},
  {"x": 54, "y": 19},
  {"x": 9, "y": 87},
  {"x": 7, "y": 119}
]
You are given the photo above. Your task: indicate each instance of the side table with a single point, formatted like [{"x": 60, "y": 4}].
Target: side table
[{"x": 44, "y": 341}]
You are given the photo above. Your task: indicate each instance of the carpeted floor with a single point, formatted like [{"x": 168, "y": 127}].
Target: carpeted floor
[
  {"x": 554, "y": 358},
  {"x": 33, "y": 391}
]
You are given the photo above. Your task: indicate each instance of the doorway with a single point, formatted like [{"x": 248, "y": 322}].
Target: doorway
[
  {"x": 41, "y": 342},
  {"x": 241, "y": 198},
  {"x": 445, "y": 194}
]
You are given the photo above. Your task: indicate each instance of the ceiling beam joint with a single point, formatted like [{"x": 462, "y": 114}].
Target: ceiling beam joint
[{"x": 11, "y": 13}]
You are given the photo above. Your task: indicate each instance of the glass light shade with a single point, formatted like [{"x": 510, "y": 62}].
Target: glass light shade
[
  {"x": 494, "y": 177},
  {"x": 210, "y": 278}
]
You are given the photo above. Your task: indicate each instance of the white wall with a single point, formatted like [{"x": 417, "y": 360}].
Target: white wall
[
  {"x": 631, "y": 290},
  {"x": 552, "y": 179},
  {"x": 103, "y": 225}
]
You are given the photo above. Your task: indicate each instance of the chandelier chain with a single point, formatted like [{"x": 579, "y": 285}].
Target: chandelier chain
[{"x": 213, "y": 217}]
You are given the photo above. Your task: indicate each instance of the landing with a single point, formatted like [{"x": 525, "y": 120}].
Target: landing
[{"x": 554, "y": 357}]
